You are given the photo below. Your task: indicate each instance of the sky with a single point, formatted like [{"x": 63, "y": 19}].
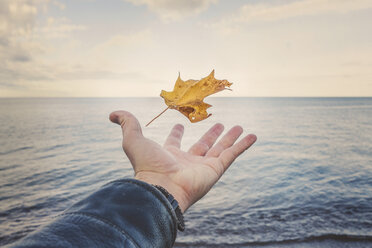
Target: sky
[{"x": 135, "y": 48}]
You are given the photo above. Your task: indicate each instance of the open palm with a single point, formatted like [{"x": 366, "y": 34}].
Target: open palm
[{"x": 188, "y": 176}]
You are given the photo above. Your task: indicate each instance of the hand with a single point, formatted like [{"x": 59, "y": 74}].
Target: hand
[{"x": 188, "y": 176}]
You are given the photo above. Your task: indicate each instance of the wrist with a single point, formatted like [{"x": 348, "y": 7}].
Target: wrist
[{"x": 175, "y": 190}]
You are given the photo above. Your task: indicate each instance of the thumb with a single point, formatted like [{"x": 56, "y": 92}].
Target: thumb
[{"x": 129, "y": 124}]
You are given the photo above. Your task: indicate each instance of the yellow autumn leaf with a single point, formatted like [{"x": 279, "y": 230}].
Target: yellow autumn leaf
[{"x": 188, "y": 96}]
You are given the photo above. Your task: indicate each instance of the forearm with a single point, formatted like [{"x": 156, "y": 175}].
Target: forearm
[{"x": 123, "y": 213}]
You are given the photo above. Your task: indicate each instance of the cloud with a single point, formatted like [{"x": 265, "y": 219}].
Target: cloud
[
  {"x": 24, "y": 41},
  {"x": 17, "y": 22},
  {"x": 125, "y": 42},
  {"x": 17, "y": 17},
  {"x": 273, "y": 12},
  {"x": 41, "y": 54},
  {"x": 78, "y": 72},
  {"x": 128, "y": 39},
  {"x": 124, "y": 51},
  {"x": 21, "y": 58},
  {"x": 170, "y": 10},
  {"x": 59, "y": 5},
  {"x": 58, "y": 28}
]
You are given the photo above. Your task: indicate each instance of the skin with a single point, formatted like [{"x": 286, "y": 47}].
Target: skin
[{"x": 187, "y": 175}]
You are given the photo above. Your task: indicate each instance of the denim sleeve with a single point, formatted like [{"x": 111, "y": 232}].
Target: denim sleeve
[{"x": 123, "y": 213}]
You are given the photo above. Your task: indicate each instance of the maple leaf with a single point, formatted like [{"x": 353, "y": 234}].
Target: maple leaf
[{"x": 187, "y": 96}]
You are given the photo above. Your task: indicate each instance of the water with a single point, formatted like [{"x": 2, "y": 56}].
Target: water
[{"x": 307, "y": 182}]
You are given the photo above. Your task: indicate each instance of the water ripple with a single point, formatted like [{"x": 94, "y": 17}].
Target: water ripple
[{"x": 306, "y": 183}]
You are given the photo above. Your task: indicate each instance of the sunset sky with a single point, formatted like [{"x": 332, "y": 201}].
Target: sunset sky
[{"x": 120, "y": 48}]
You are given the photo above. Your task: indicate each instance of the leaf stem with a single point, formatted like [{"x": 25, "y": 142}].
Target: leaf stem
[{"x": 157, "y": 116}]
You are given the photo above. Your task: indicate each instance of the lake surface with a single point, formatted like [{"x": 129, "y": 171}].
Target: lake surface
[{"x": 307, "y": 182}]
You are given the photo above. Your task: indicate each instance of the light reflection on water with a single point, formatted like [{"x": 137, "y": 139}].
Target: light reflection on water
[{"x": 307, "y": 178}]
